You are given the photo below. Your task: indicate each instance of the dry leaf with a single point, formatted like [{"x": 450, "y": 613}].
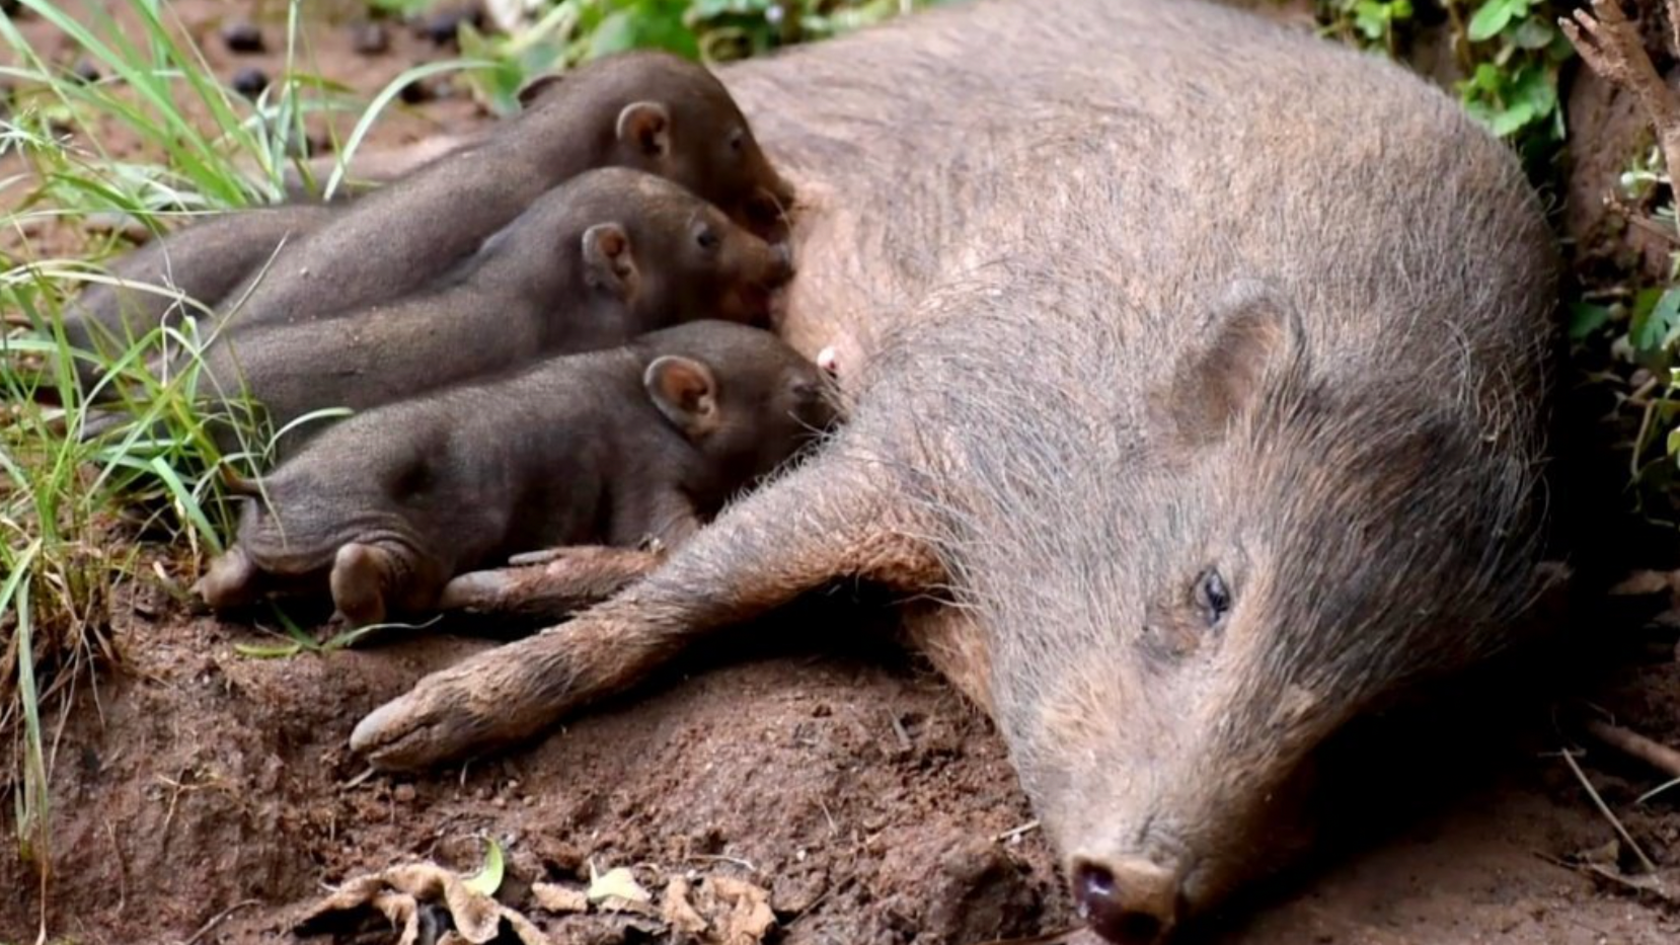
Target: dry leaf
[
  {"x": 678, "y": 912},
  {"x": 749, "y": 918},
  {"x": 558, "y": 899},
  {"x": 617, "y": 883}
]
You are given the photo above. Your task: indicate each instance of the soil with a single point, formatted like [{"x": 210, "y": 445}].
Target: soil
[{"x": 201, "y": 795}]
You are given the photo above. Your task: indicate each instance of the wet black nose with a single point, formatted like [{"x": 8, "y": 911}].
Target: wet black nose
[{"x": 1129, "y": 902}]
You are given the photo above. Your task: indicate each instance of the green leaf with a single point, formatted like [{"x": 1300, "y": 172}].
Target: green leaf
[
  {"x": 489, "y": 877},
  {"x": 1512, "y": 119},
  {"x": 1674, "y": 442},
  {"x": 1651, "y": 334},
  {"x": 1533, "y": 33},
  {"x": 276, "y": 652},
  {"x": 1586, "y": 318},
  {"x": 615, "y": 34},
  {"x": 1493, "y": 16}
]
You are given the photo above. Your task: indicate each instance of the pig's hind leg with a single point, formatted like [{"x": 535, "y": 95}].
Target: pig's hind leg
[
  {"x": 372, "y": 580},
  {"x": 834, "y": 518}
]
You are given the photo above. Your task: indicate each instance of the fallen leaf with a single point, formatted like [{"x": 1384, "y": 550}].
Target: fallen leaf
[
  {"x": 617, "y": 883},
  {"x": 678, "y": 912},
  {"x": 489, "y": 878},
  {"x": 749, "y": 918},
  {"x": 558, "y": 899}
]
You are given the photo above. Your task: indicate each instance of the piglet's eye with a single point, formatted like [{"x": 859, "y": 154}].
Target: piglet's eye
[
  {"x": 1213, "y": 597},
  {"x": 737, "y": 138},
  {"x": 706, "y": 237}
]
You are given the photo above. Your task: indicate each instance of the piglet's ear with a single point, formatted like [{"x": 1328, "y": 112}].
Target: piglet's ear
[
  {"x": 608, "y": 260},
  {"x": 685, "y": 391},
  {"x": 646, "y": 126},
  {"x": 1251, "y": 336},
  {"x": 536, "y": 88}
]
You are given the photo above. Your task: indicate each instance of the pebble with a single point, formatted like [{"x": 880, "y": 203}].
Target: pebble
[
  {"x": 415, "y": 92},
  {"x": 369, "y": 38},
  {"x": 86, "y": 70},
  {"x": 250, "y": 81},
  {"x": 243, "y": 36},
  {"x": 441, "y": 28},
  {"x": 404, "y": 793}
]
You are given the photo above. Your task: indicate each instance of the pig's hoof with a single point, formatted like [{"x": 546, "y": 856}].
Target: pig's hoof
[
  {"x": 432, "y": 724},
  {"x": 474, "y": 589}
]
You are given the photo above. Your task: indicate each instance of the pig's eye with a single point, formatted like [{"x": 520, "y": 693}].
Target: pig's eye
[
  {"x": 1213, "y": 598},
  {"x": 737, "y": 139},
  {"x": 706, "y": 237}
]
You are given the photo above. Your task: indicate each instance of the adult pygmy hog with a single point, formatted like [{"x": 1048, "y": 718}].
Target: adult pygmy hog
[
  {"x": 1201, "y": 362},
  {"x": 598, "y": 260},
  {"x": 642, "y": 441},
  {"x": 649, "y": 111},
  {"x": 202, "y": 262}
]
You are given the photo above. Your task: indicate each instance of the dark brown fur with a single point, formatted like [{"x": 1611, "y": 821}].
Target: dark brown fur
[
  {"x": 1177, "y": 294},
  {"x": 191, "y": 271},
  {"x": 609, "y": 255},
  {"x": 613, "y": 447},
  {"x": 645, "y": 110}
]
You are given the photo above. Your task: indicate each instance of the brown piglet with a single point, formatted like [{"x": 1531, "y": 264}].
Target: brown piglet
[{"x": 617, "y": 447}]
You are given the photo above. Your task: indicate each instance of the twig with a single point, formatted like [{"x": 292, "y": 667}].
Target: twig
[
  {"x": 1655, "y": 754},
  {"x": 714, "y": 858},
  {"x": 1604, "y": 809},
  {"x": 1016, "y": 833},
  {"x": 898, "y": 729},
  {"x": 1044, "y": 939},
  {"x": 1611, "y": 47},
  {"x": 219, "y": 918}
]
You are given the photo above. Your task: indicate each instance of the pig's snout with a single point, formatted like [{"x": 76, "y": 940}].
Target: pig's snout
[{"x": 1129, "y": 901}]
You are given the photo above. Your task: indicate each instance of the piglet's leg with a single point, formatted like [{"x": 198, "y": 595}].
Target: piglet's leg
[
  {"x": 372, "y": 579},
  {"x": 836, "y": 516},
  {"x": 551, "y": 584}
]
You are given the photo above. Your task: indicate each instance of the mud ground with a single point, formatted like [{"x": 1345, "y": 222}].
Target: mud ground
[{"x": 203, "y": 796}]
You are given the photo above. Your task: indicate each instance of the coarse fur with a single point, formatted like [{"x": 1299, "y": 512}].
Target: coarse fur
[
  {"x": 609, "y": 255},
  {"x": 1190, "y": 295},
  {"x": 645, "y": 110},
  {"x": 190, "y": 271}
]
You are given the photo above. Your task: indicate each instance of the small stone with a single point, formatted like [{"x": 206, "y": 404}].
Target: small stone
[
  {"x": 368, "y": 38},
  {"x": 404, "y": 794},
  {"x": 415, "y": 92},
  {"x": 250, "y": 82},
  {"x": 443, "y": 27},
  {"x": 243, "y": 36}
]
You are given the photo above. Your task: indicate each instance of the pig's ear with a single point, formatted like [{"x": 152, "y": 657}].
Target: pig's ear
[
  {"x": 646, "y": 126},
  {"x": 1252, "y": 336},
  {"x": 608, "y": 261},
  {"x": 685, "y": 392},
  {"x": 536, "y": 87}
]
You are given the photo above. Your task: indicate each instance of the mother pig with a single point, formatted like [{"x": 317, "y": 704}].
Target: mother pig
[{"x": 1201, "y": 365}]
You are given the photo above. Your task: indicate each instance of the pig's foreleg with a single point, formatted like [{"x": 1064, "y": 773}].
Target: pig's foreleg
[{"x": 834, "y": 518}]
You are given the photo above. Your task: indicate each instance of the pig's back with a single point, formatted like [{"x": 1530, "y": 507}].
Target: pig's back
[{"x": 1110, "y": 164}]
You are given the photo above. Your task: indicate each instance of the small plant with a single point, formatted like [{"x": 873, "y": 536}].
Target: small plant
[{"x": 564, "y": 33}]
